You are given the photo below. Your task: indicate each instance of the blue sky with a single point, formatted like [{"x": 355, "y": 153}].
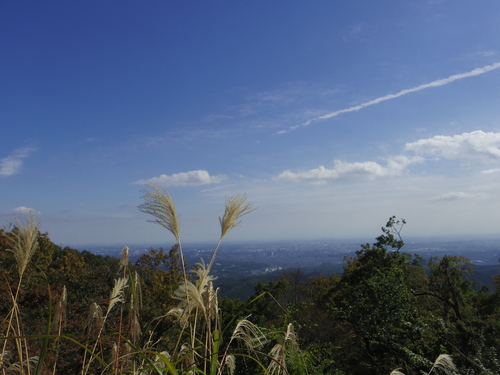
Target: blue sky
[{"x": 330, "y": 116}]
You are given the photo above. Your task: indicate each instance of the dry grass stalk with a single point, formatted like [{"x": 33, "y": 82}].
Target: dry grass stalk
[
  {"x": 282, "y": 350},
  {"x": 60, "y": 322},
  {"x": 60, "y": 315},
  {"x": 24, "y": 242},
  {"x": 236, "y": 207},
  {"x": 194, "y": 294},
  {"x": 197, "y": 298},
  {"x": 94, "y": 326},
  {"x": 95, "y": 319},
  {"x": 116, "y": 296},
  {"x": 159, "y": 203},
  {"x": 229, "y": 363},
  {"x": 135, "y": 304}
]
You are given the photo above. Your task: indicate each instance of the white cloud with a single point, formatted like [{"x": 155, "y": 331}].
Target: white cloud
[
  {"x": 439, "y": 82},
  {"x": 13, "y": 163},
  {"x": 358, "y": 170},
  {"x": 453, "y": 196},
  {"x": 476, "y": 145},
  {"x": 191, "y": 178},
  {"x": 491, "y": 171},
  {"x": 23, "y": 210}
]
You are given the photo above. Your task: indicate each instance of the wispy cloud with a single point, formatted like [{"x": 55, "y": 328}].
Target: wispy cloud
[
  {"x": 453, "y": 196},
  {"x": 352, "y": 32},
  {"x": 13, "y": 163},
  {"x": 481, "y": 54},
  {"x": 439, "y": 82},
  {"x": 367, "y": 170},
  {"x": 218, "y": 188},
  {"x": 476, "y": 145},
  {"x": 293, "y": 102},
  {"x": 191, "y": 178}
]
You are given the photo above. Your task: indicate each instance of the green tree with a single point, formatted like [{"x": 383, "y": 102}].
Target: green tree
[
  {"x": 161, "y": 273},
  {"x": 375, "y": 297}
]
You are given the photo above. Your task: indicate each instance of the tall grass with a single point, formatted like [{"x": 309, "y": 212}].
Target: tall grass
[
  {"x": 115, "y": 341},
  {"x": 23, "y": 241},
  {"x": 198, "y": 346}
]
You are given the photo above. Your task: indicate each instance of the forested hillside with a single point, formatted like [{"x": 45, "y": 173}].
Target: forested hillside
[{"x": 70, "y": 312}]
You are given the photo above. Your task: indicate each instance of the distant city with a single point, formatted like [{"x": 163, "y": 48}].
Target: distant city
[
  {"x": 307, "y": 253},
  {"x": 241, "y": 265}
]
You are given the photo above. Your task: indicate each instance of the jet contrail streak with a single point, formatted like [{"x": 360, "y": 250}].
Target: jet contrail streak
[{"x": 439, "y": 82}]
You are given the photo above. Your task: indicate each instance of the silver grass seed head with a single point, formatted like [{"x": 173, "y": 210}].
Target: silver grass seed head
[
  {"x": 114, "y": 350},
  {"x": 278, "y": 356},
  {"x": 117, "y": 292},
  {"x": 236, "y": 207},
  {"x": 136, "y": 297},
  {"x": 24, "y": 240},
  {"x": 5, "y": 357},
  {"x": 60, "y": 316},
  {"x": 159, "y": 203},
  {"x": 190, "y": 298},
  {"x": 95, "y": 318},
  {"x": 124, "y": 258},
  {"x": 64, "y": 294},
  {"x": 159, "y": 359},
  {"x": 202, "y": 276},
  {"x": 135, "y": 327},
  {"x": 229, "y": 363},
  {"x": 249, "y": 334},
  {"x": 30, "y": 363},
  {"x": 445, "y": 363}
]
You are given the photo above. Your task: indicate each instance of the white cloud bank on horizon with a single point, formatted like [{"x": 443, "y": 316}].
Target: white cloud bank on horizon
[
  {"x": 439, "y": 82},
  {"x": 359, "y": 170},
  {"x": 191, "y": 178},
  {"x": 476, "y": 145},
  {"x": 13, "y": 163}
]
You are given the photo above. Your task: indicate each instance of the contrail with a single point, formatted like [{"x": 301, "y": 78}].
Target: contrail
[{"x": 439, "y": 82}]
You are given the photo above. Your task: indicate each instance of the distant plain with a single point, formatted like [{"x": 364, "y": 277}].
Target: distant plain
[{"x": 241, "y": 265}]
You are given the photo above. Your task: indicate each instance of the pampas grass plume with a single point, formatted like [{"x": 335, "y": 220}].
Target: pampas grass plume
[
  {"x": 159, "y": 203},
  {"x": 25, "y": 240},
  {"x": 236, "y": 207},
  {"x": 117, "y": 292},
  {"x": 445, "y": 363}
]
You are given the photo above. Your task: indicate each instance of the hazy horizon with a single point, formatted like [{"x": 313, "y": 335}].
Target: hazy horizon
[{"x": 350, "y": 241}]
